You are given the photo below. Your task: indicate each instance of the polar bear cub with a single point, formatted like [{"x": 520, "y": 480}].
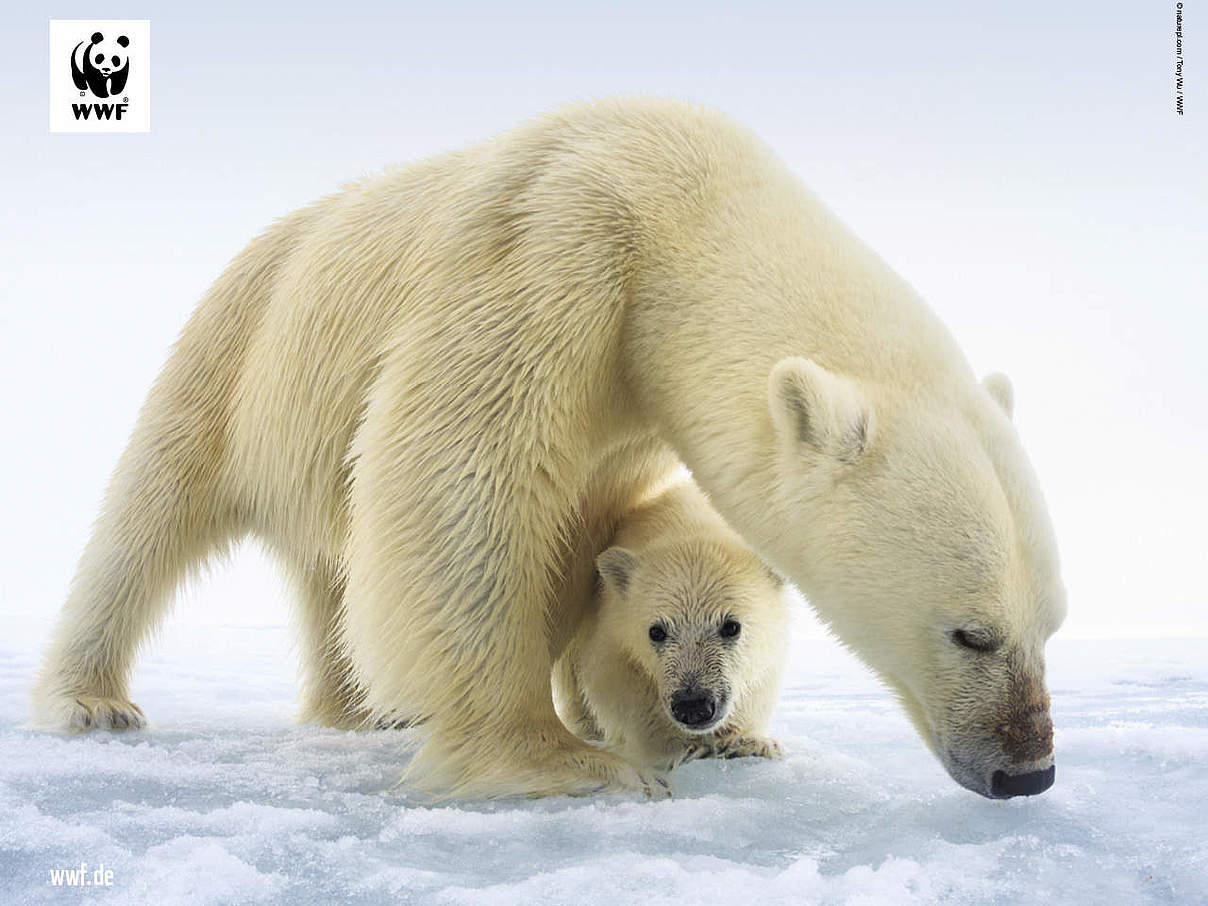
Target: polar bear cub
[{"x": 682, "y": 648}]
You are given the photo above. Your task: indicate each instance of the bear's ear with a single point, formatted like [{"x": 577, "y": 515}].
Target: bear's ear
[
  {"x": 616, "y": 566},
  {"x": 777, "y": 579},
  {"x": 998, "y": 385},
  {"x": 812, "y": 406},
  {"x": 123, "y": 41},
  {"x": 97, "y": 37}
]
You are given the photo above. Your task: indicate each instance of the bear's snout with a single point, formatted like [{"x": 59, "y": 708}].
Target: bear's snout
[
  {"x": 1027, "y": 735},
  {"x": 991, "y": 773},
  {"x": 693, "y": 708},
  {"x": 1004, "y": 785},
  {"x": 1011, "y": 754}
]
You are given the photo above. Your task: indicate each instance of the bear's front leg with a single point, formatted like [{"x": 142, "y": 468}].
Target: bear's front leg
[
  {"x": 528, "y": 760},
  {"x": 731, "y": 746},
  {"x": 492, "y": 730},
  {"x": 481, "y": 741},
  {"x": 455, "y": 556}
]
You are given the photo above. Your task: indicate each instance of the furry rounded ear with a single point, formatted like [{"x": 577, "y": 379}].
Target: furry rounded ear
[
  {"x": 123, "y": 41},
  {"x": 812, "y": 406},
  {"x": 97, "y": 37},
  {"x": 616, "y": 566},
  {"x": 998, "y": 385},
  {"x": 777, "y": 579}
]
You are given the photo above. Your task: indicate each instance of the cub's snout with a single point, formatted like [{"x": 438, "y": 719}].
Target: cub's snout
[{"x": 695, "y": 709}]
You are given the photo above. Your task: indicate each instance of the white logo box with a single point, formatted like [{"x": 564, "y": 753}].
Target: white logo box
[{"x": 76, "y": 108}]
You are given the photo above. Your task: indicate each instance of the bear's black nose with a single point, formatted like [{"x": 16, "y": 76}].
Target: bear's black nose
[
  {"x": 693, "y": 708},
  {"x": 1004, "y": 785}
]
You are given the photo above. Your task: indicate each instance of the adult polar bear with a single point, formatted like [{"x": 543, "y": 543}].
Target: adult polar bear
[{"x": 434, "y": 392}]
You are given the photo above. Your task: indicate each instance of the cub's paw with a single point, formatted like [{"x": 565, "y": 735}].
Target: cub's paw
[
  {"x": 733, "y": 747},
  {"x": 95, "y": 713}
]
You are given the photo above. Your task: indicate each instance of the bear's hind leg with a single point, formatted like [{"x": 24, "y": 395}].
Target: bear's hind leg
[
  {"x": 330, "y": 693},
  {"x": 162, "y": 516}
]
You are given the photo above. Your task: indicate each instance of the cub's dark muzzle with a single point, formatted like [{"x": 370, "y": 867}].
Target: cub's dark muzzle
[{"x": 694, "y": 708}]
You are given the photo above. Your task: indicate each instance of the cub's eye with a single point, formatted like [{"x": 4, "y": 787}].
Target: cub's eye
[
  {"x": 729, "y": 629},
  {"x": 658, "y": 633},
  {"x": 976, "y": 640}
]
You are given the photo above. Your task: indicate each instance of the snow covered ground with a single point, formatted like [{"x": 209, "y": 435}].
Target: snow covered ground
[{"x": 226, "y": 800}]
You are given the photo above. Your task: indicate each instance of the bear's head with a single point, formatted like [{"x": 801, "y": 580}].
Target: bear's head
[
  {"x": 929, "y": 551},
  {"x": 702, "y": 618},
  {"x": 108, "y": 57}
]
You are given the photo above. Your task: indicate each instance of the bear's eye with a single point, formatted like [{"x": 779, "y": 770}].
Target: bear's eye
[
  {"x": 100, "y": 58},
  {"x": 729, "y": 629},
  {"x": 979, "y": 640},
  {"x": 658, "y": 633},
  {"x": 116, "y": 60}
]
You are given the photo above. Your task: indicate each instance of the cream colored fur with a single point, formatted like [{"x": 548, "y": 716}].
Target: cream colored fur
[
  {"x": 434, "y": 393},
  {"x": 687, "y": 573}
]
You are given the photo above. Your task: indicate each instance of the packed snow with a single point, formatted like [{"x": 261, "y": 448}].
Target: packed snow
[{"x": 226, "y": 800}]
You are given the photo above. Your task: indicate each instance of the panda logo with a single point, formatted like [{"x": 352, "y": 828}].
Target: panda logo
[{"x": 102, "y": 67}]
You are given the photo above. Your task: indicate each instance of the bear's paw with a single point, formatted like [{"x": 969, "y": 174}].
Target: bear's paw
[
  {"x": 590, "y": 771},
  {"x": 81, "y": 713}
]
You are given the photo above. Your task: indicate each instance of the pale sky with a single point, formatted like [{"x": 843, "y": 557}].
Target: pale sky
[{"x": 1020, "y": 164}]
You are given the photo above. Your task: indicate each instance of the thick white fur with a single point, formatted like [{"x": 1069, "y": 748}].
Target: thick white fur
[
  {"x": 434, "y": 393},
  {"x": 690, "y": 573}
]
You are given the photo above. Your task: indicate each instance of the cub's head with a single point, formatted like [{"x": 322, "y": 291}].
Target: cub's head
[
  {"x": 106, "y": 56},
  {"x": 703, "y": 618},
  {"x": 928, "y": 549}
]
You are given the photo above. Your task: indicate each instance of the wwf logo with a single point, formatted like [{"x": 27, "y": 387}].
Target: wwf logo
[
  {"x": 103, "y": 66},
  {"x": 100, "y": 83}
]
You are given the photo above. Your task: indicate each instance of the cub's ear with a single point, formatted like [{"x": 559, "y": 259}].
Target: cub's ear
[
  {"x": 123, "y": 41},
  {"x": 777, "y": 579},
  {"x": 616, "y": 566},
  {"x": 998, "y": 385},
  {"x": 97, "y": 37},
  {"x": 812, "y": 406}
]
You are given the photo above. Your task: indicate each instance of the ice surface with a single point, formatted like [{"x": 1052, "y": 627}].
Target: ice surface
[{"x": 226, "y": 800}]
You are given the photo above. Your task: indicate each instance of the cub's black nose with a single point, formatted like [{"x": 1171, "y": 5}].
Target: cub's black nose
[
  {"x": 693, "y": 709},
  {"x": 1004, "y": 785}
]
